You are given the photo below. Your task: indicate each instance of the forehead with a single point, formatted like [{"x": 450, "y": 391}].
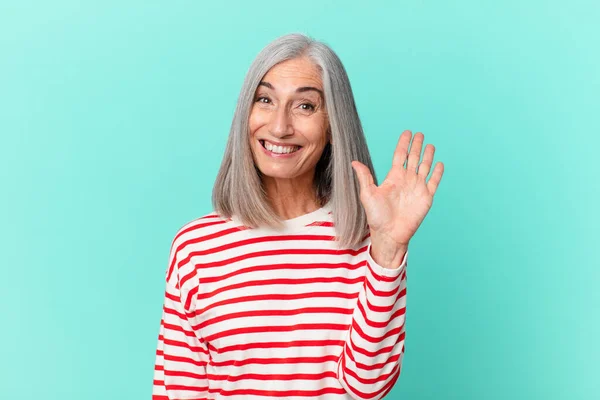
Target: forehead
[{"x": 295, "y": 72}]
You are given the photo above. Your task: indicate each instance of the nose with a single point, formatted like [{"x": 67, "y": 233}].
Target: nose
[{"x": 280, "y": 124}]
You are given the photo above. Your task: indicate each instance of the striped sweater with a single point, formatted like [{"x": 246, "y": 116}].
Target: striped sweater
[{"x": 253, "y": 313}]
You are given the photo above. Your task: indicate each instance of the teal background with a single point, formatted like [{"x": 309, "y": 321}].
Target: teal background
[{"x": 114, "y": 118}]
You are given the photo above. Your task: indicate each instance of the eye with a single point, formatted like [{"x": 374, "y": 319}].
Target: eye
[
  {"x": 258, "y": 99},
  {"x": 309, "y": 107}
]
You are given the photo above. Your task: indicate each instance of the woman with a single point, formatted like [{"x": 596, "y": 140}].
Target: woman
[{"x": 295, "y": 287}]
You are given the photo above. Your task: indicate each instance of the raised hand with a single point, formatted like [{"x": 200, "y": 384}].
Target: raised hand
[{"x": 396, "y": 208}]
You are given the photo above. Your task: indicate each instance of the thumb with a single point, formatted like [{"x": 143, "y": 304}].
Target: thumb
[{"x": 363, "y": 174}]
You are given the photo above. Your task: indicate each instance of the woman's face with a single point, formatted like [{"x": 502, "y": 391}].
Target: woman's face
[{"x": 288, "y": 121}]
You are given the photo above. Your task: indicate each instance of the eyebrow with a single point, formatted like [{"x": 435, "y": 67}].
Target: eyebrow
[{"x": 299, "y": 90}]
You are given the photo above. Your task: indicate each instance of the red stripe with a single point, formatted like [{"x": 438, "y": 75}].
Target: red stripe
[
  {"x": 203, "y": 224},
  {"x": 191, "y": 296},
  {"x": 187, "y": 388},
  {"x": 373, "y": 366},
  {"x": 367, "y": 353},
  {"x": 260, "y": 239},
  {"x": 185, "y": 374},
  {"x": 213, "y": 215},
  {"x": 371, "y": 381},
  {"x": 197, "y": 240},
  {"x": 261, "y": 329},
  {"x": 194, "y": 349},
  {"x": 391, "y": 383},
  {"x": 160, "y": 397},
  {"x": 273, "y": 377},
  {"x": 375, "y": 324},
  {"x": 275, "y": 361},
  {"x": 260, "y": 377},
  {"x": 275, "y": 345},
  {"x": 381, "y": 293},
  {"x": 174, "y": 312},
  {"x": 321, "y": 223},
  {"x": 277, "y": 312},
  {"x": 179, "y": 329},
  {"x": 273, "y": 297},
  {"x": 181, "y": 233},
  {"x": 185, "y": 360},
  {"x": 356, "y": 392},
  {"x": 384, "y": 278},
  {"x": 301, "y": 251},
  {"x": 280, "y": 281},
  {"x": 279, "y": 393},
  {"x": 374, "y": 339},
  {"x": 285, "y": 266},
  {"x": 385, "y": 309},
  {"x": 266, "y": 253}
]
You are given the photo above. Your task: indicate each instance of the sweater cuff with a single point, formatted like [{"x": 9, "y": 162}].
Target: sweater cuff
[{"x": 388, "y": 272}]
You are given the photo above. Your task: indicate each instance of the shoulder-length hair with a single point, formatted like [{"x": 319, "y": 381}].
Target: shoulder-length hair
[{"x": 238, "y": 188}]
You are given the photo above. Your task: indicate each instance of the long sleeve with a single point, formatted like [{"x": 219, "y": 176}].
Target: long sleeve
[
  {"x": 371, "y": 359},
  {"x": 181, "y": 357}
]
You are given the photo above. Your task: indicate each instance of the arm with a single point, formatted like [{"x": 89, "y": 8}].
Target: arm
[
  {"x": 372, "y": 356},
  {"x": 371, "y": 359},
  {"x": 181, "y": 357}
]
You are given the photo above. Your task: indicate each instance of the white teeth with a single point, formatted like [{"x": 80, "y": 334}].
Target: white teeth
[{"x": 280, "y": 149}]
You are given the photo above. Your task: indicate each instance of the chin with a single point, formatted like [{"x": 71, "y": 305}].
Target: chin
[{"x": 277, "y": 173}]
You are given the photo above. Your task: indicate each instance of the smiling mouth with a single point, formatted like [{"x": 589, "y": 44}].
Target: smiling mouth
[{"x": 279, "y": 149}]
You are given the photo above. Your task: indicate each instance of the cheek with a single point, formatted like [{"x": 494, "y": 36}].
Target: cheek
[
  {"x": 318, "y": 132},
  {"x": 256, "y": 120}
]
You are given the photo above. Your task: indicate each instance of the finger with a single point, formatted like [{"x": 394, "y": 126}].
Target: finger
[
  {"x": 425, "y": 165},
  {"x": 415, "y": 152},
  {"x": 401, "y": 152},
  {"x": 363, "y": 174},
  {"x": 436, "y": 177}
]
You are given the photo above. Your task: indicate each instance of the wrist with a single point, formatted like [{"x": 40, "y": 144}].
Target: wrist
[{"x": 386, "y": 252}]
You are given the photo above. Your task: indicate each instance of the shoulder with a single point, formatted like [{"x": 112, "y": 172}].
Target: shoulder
[
  {"x": 205, "y": 228},
  {"x": 196, "y": 235},
  {"x": 199, "y": 226}
]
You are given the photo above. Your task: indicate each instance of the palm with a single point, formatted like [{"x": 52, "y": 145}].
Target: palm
[{"x": 398, "y": 206}]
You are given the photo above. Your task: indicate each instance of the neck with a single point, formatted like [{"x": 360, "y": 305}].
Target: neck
[{"x": 291, "y": 198}]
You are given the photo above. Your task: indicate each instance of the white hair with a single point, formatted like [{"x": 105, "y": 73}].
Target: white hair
[{"x": 238, "y": 188}]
